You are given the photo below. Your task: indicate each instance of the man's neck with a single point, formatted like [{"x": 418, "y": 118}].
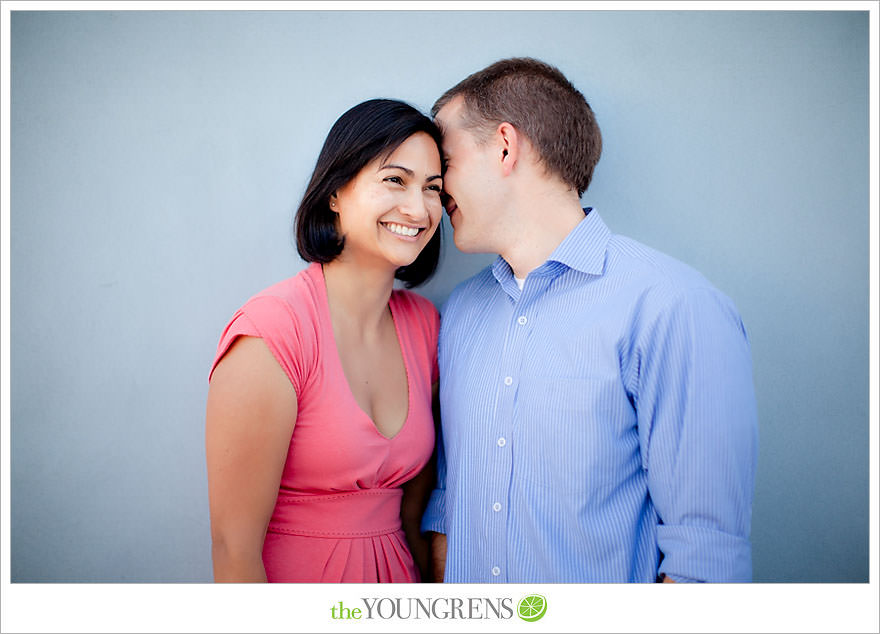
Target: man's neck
[{"x": 540, "y": 226}]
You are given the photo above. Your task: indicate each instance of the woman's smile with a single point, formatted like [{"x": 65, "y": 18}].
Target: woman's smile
[{"x": 404, "y": 232}]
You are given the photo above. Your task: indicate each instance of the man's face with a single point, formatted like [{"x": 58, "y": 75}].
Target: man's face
[{"x": 470, "y": 182}]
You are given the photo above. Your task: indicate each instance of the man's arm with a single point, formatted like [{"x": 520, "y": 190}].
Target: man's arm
[{"x": 697, "y": 420}]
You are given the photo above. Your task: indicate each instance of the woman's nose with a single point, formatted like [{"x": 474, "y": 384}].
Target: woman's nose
[{"x": 415, "y": 207}]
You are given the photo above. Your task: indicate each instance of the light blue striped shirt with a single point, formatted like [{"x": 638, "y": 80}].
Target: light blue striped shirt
[{"x": 598, "y": 426}]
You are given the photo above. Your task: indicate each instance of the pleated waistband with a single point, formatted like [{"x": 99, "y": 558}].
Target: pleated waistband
[{"x": 352, "y": 514}]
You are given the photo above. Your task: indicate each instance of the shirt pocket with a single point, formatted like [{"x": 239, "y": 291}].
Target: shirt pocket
[{"x": 574, "y": 434}]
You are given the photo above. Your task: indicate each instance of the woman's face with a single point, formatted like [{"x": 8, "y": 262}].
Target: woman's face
[{"x": 390, "y": 210}]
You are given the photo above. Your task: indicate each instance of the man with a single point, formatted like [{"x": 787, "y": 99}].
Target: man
[{"x": 598, "y": 411}]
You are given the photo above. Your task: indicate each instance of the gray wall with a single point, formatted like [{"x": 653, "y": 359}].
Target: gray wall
[{"x": 157, "y": 158}]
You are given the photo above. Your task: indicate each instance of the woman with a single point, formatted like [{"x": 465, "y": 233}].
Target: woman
[{"x": 319, "y": 416}]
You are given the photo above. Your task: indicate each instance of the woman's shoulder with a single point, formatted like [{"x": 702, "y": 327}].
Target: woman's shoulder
[
  {"x": 414, "y": 302},
  {"x": 285, "y": 315},
  {"x": 296, "y": 297},
  {"x": 415, "y": 307}
]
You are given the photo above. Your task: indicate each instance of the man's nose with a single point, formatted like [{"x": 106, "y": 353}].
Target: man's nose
[{"x": 447, "y": 200}]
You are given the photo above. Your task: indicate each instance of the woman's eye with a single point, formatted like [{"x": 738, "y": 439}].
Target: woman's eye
[{"x": 394, "y": 179}]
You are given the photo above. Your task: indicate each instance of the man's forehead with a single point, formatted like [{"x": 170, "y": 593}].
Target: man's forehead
[{"x": 449, "y": 113}]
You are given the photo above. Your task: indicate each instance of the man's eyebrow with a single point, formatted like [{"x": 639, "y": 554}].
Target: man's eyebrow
[{"x": 434, "y": 177}]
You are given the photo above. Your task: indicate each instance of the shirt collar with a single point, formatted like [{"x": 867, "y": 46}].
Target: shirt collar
[{"x": 583, "y": 249}]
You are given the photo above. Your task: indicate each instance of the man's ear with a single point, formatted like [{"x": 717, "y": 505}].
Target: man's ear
[{"x": 509, "y": 147}]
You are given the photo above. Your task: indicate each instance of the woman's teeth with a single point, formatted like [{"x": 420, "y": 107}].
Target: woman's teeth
[{"x": 401, "y": 230}]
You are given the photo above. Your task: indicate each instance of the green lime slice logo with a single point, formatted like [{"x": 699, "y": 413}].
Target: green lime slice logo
[{"x": 532, "y": 607}]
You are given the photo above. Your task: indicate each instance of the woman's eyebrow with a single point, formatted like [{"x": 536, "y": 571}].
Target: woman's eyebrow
[{"x": 408, "y": 171}]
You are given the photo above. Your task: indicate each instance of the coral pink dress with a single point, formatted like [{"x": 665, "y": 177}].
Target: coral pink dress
[{"x": 337, "y": 517}]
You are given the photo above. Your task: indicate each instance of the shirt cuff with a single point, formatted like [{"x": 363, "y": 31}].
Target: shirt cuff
[
  {"x": 434, "y": 518},
  {"x": 680, "y": 579},
  {"x": 694, "y": 553}
]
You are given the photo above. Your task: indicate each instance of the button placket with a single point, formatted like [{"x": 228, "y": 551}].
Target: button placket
[{"x": 498, "y": 493}]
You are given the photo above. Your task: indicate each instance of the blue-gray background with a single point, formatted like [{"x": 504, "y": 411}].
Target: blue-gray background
[{"x": 157, "y": 159}]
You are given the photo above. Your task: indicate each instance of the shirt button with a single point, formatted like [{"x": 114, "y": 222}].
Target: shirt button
[
  {"x": 502, "y": 441},
  {"x": 522, "y": 320},
  {"x": 508, "y": 380},
  {"x": 496, "y": 507},
  {"x": 496, "y": 571}
]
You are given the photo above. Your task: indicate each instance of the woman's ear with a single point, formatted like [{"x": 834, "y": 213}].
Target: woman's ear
[{"x": 333, "y": 199}]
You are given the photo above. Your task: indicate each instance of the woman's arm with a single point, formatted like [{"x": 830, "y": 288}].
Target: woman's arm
[
  {"x": 438, "y": 556},
  {"x": 250, "y": 417},
  {"x": 415, "y": 498}
]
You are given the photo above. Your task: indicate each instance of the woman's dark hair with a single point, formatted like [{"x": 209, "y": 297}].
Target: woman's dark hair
[{"x": 368, "y": 131}]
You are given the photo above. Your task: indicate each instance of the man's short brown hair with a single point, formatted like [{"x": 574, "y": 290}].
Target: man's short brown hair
[{"x": 540, "y": 103}]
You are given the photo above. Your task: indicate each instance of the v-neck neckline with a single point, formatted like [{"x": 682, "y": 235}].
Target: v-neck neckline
[{"x": 325, "y": 306}]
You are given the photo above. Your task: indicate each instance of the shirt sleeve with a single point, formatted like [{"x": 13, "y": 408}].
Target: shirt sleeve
[
  {"x": 434, "y": 518},
  {"x": 697, "y": 419},
  {"x": 271, "y": 319}
]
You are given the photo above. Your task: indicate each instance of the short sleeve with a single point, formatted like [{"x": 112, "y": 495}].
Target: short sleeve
[{"x": 273, "y": 320}]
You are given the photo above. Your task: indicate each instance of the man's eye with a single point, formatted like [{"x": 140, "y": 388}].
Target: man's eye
[{"x": 435, "y": 188}]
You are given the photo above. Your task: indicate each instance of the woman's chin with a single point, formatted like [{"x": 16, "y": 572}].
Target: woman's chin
[
  {"x": 399, "y": 260},
  {"x": 402, "y": 263}
]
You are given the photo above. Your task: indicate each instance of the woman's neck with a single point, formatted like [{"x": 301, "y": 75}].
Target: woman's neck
[{"x": 358, "y": 296}]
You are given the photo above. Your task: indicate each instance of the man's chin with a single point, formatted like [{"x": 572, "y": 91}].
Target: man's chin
[{"x": 466, "y": 247}]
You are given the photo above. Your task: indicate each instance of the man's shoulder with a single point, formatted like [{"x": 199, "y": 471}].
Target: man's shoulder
[
  {"x": 651, "y": 267},
  {"x": 473, "y": 289},
  {"x": 661, "y": 282}
]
